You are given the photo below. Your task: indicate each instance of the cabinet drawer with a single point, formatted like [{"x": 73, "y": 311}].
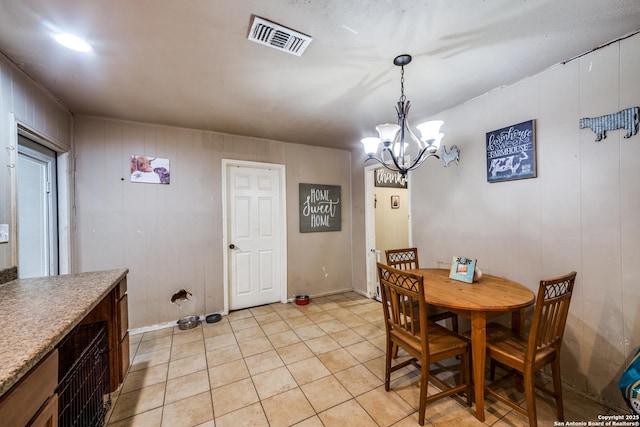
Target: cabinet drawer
[
  {"x": 25, "y": 399},
  {"x": 121, "y": 288},
  {"x": 123, "y": 316}
]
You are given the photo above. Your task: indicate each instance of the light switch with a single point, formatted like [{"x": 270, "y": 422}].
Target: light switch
[{"x": 4, "y": 233}]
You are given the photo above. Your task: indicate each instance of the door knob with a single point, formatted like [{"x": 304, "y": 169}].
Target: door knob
[{"x": 232, "y": 246}]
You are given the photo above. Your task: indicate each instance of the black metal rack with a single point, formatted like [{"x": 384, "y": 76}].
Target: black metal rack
[{"x": 83, "y": 376}]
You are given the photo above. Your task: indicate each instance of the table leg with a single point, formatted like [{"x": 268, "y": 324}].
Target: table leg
[
  {"x": 517, "y": 320},
  {"x": 478, "y": 357}
]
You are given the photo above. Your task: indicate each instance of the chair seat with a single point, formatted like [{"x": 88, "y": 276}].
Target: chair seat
[{"x": 510, "y": 349}]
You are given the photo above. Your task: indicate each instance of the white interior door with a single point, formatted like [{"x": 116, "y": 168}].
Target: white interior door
[
  {"x": 255, "y": 235},
  {"x": 37, "y": 210}
]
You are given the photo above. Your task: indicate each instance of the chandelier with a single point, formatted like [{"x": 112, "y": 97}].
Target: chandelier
[{"x": 394, "y": 151}]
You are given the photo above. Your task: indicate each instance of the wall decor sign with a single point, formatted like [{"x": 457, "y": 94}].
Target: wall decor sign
[
  {"x": 320, "y": 208},
  {"x": 511, "y": 152},
  {"x": 395, "y": 202},
  {"x": 626, "y": 119},
  {"x": 384, "y": 177},
  {"x": 462, "y": 269},
  {"x": 152, "y": 170}
]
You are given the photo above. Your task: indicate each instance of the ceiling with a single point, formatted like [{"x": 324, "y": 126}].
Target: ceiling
[{"x": 189, "y": 63}]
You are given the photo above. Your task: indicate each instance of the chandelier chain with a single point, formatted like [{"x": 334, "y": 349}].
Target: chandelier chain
[{"x": 402, "y": 96}]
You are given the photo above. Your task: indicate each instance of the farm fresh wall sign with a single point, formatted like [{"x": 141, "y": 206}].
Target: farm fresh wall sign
[
  {"x": 320, "y": 208},
  {"x": 511, "y": 152}
]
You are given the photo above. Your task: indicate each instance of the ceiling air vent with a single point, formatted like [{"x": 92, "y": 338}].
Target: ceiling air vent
[{"x": 278, "y": 37}]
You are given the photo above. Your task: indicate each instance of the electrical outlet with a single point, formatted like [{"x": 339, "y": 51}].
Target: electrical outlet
[{"x": 4, "y": 233}]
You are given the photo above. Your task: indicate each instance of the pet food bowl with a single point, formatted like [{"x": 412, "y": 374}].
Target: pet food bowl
[
  {"x": 213, "y": 318},
  {"x": 302, "y": 299},
  {"x": 188, "y": 322}
]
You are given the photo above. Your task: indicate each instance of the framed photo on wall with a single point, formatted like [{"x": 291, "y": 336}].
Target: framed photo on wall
[
  {"x": 511, "y": 152},
  {"x": 395, "y": 202}
]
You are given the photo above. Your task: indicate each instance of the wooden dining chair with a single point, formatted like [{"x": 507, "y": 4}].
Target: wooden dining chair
[
  {"x": 425, "y": 341},
  {"x": 523, "y": 357},
  {"x": 407, "y": 259}
]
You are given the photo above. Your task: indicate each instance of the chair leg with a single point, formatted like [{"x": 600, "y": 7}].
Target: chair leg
[
  {"x": 557, "y": 388},
  {"x": 465, "y": 374},
  {"x": 424, "y": 385},
  {"x": 530, "y": 392},
  {"x": 454, "y": 323},
  {"x": 492, "y": 370},
  {"x": 387, "y": 365}
]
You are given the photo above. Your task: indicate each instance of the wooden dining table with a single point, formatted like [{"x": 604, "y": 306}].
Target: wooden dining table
[{"x": 480, "y": 301}]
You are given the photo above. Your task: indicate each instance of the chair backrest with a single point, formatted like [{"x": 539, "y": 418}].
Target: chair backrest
[
  {"x": 403, "y": 259},
  {"x": 401, "y": 292},
  {"x": 550, "y": 314}
]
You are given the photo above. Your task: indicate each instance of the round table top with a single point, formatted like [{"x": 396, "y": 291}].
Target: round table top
[{"x": 490, "y": 293}]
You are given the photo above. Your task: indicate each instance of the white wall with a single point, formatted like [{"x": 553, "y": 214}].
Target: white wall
[
  {"x": 581, "y": 213},
  {"x": 24, "y": 103}
]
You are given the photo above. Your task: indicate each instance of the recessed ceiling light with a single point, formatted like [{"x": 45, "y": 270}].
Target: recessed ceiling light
[{"x": 72, "y": 42}]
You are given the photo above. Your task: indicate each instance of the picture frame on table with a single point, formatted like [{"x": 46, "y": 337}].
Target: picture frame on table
[{"x": 462, "y": 269}]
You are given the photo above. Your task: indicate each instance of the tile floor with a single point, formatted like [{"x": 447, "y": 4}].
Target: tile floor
[{"x": 280, "y": 365}]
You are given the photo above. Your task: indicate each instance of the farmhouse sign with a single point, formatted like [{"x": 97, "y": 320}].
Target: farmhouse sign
[
  {"x": 511, "y": 152},
  {"x": 320, "y": 208},
  {"x": 387, "y": 178}
]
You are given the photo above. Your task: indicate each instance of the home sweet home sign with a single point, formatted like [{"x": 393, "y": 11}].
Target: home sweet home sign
[{"x": 320, "y": 208}]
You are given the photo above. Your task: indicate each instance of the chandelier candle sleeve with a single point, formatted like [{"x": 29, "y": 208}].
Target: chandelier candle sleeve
[{"x": 395, "y": 153}]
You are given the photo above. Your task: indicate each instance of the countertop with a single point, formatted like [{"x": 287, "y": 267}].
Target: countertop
[{"x": 36, "y": 314}]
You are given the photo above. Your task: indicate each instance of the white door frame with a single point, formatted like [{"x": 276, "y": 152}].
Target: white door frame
[
  {"x": 227, "y": 163},
  {"x": 370, "y": 226},
  {"x": 63, "y": 166}
]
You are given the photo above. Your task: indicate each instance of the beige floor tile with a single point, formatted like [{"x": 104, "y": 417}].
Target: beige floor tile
[
  {"x": 294, "y": 353},
  {"x": 261, "y": 310},
  {"x": 325, "y": 393},
  {"x": 349, "y": 413},
  {"x": 265, "y": 319},
  {"x": 256, "y": 346},
  {"x": 364, "y": 351},
  {"x": 332, "y": 326},
  {"x": 251, "y": 415},
  {"x": 139, "y": 401},
  {"x": 240, "y": 324},
  {"x": 228, "y": 373},
  {"x": 322, "y": 344},
  {"x": 274, "y": 382},
  {"x": 347, "y": 337},
  {"x": 158, "y": 333},
  {"x": 145, "y": 361},
  {"x": 152, "y": 418},
  {"x": 152, "y": 345},
  {"x": 234, "y": 396},
  {"x": 287, "y": 408},
  {"x": 187, "y": 386},
  {"x": 358, "y": 380},
  {"x": 263, "y": 362},
  {"x": 284, "y": 339},
  {"x": 338, "y": 360},
  {"x": 220, "y": 356},
  {"x": 309, "y": 332},
  {"x": 385, "y": 407},
  {"x": 171, "y": 375},
  {"x": 180, "y": 351},
  {"x": 190, "y": 335},
  {"x": 218, "y": 341},
  {"x": 145, "y": 377},
  {"x": 188, "y": 412},
  {"x": 275, "y": 327},
  {"x": 188, "y": 365},
  {"x": 215, "y": 329},
  {"x": 308, "y": 370},
  {"x": 249, "y": 334}
]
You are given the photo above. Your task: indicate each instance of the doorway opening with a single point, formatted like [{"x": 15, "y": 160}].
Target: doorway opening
[
  {"x": 387, "y": 220},
  {"x": 37, "y": 210}
]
